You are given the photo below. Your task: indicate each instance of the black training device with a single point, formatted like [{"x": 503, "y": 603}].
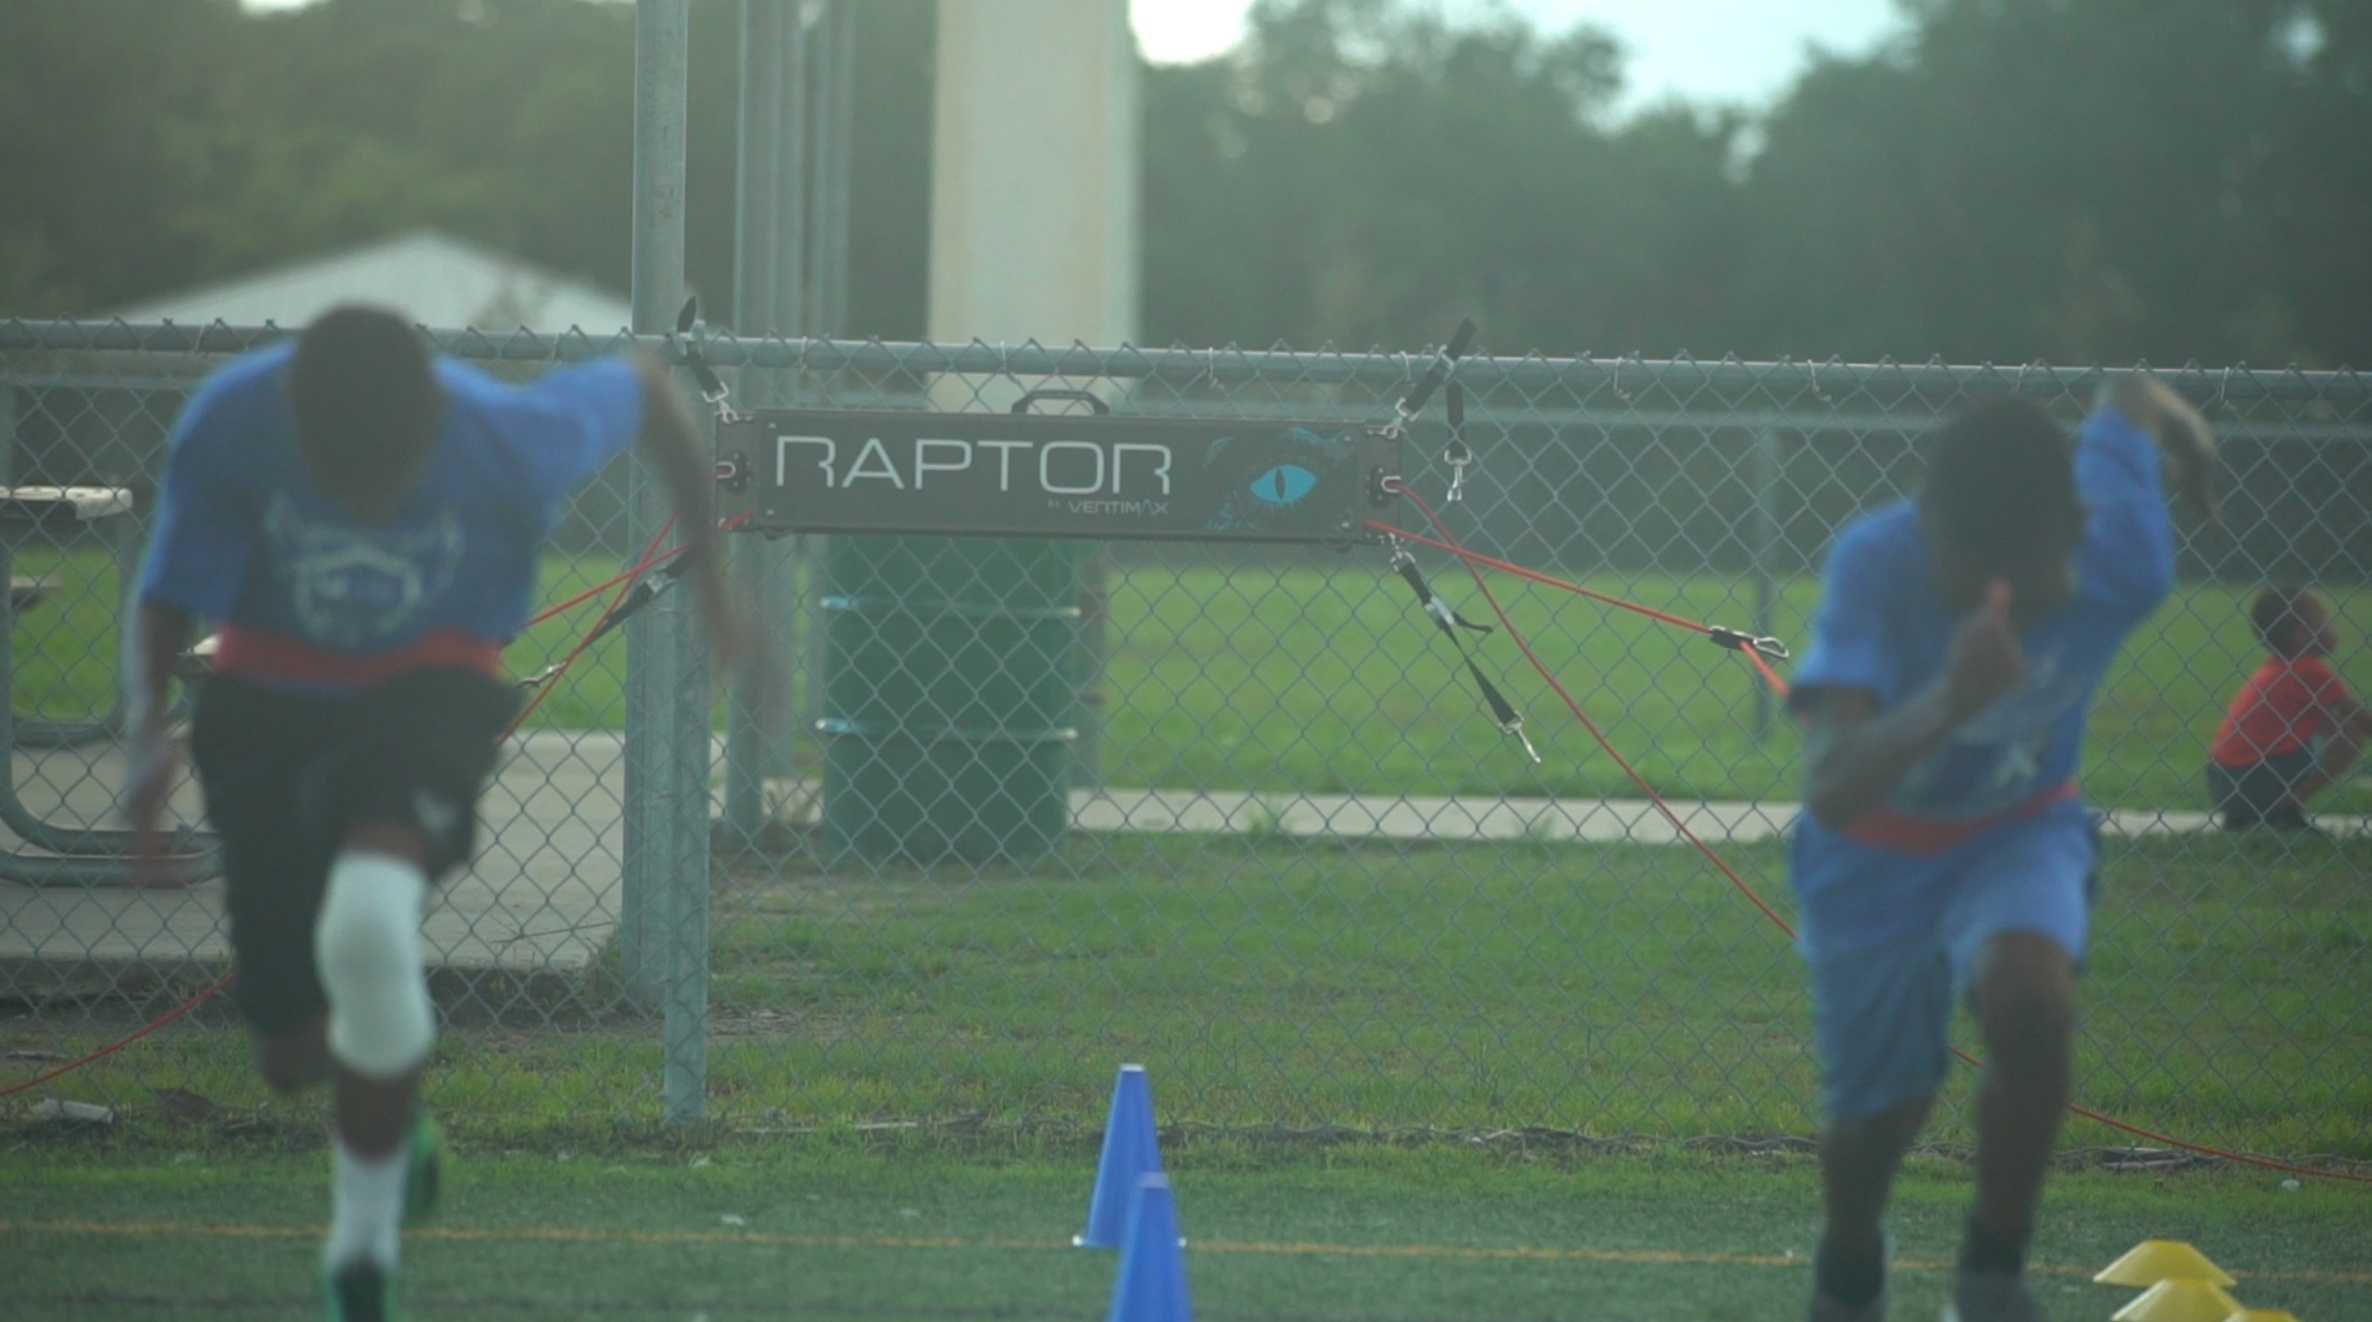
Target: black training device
[{"x": 1023, "y": 474}]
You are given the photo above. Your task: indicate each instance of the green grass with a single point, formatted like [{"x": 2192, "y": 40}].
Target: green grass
[
  {"x": 836, "y": 1231},
  {"x": 65, "y": 650},
  {"x": 1327, "y": 681},
  {"x": 1319, "y": 680},
  {"x": 1270, "y": 981},
  {"x": 1607, "y": 991}
]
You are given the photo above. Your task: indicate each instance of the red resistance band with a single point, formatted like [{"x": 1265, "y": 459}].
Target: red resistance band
[{"x": 1473, "y": 560}]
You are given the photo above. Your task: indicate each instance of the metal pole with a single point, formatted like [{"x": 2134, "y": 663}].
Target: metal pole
[
  {"x": 664, "y": 923},
  {"x": 758, "y": 199},
  {"x": 841, "y": 124},
  {"x": 828, "y": 150},
  {"x": 757, "y": 190},
  {"x": 1095, "y": 599},
  {"x": 684, "y": 1030},
  {"x": 833, "y": 107},
  {"x": 790, "y": 210},
  {"x": 782, "y": 609},
  {"x": 1766, "y": 547}
]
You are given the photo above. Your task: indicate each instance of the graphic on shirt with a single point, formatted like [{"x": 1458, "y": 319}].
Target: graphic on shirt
[
  {"x": 440, "y": 819},
  {"x": 361, "y": 587},
  {"x": 1996, "y": 760},
  {"x": 2022, "y": 725}
]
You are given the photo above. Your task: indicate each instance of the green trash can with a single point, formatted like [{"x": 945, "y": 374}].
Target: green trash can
[{"x": 953, "y": 678}]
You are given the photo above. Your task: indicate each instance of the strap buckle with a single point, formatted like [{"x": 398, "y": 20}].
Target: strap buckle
[{"x": 713, "y": 390}]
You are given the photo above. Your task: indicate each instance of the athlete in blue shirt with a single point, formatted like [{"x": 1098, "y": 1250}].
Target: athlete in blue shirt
[
  {"x": 363, "y": 521},
  {"x": 1943, "y": 850}
]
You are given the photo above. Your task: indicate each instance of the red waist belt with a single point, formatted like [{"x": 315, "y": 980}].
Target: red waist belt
[
  {"x": 1887, "y": 829},
  {"x": 259, "y": 654}
]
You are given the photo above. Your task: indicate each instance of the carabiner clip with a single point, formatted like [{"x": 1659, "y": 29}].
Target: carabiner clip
[
  {"x": 1456, "y": 455},
  {"x": 1516, "y": 728},
  {"x": 1739, "y": 641}
]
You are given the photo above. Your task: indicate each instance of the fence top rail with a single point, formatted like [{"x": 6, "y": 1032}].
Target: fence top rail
[
  {"x": 1482, "y": 420},
  {"x": 1799, "y": 381}
]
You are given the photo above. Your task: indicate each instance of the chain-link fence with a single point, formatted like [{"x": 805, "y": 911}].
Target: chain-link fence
[{"x": 1023, "y": 810}]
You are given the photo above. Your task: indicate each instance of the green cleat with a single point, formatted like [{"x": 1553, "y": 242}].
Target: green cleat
[
  {"x": 361, "y": 1292},
  {"x": 424, "y": 1173}
]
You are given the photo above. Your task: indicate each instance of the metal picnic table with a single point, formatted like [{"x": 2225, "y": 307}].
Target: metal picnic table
[{"x": 64, "y": 855}]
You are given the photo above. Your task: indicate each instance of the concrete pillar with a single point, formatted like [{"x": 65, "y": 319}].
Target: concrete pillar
[
  {"x": 1034, "y": 178},
  {"x": 1035, "y": 214}
]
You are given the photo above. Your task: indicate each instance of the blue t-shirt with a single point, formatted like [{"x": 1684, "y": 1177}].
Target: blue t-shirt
[
  {"x": 243, "y": 537},
  {"x": 1882, "y": 628}
]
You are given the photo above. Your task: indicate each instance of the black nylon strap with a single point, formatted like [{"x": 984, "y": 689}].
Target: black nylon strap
[
  {"x": 1439, "y": 611},
  {"x": 645, "y": 591},
  {"x": 1503, "y": 712},
  {"x": 712, "y": 387}
]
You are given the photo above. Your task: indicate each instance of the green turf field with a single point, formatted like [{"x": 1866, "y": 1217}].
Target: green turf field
[
  {"x": 826, "y": 1231},
  {"x": 1603, "y": 991},
  {"x": 1289, "y": 998},
  {"x": 1325, "y": 680}
]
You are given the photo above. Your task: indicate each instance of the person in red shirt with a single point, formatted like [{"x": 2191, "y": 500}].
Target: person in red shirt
[{"x": 2293, "y": 728}]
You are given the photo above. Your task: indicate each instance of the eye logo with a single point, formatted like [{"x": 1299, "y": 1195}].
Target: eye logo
[{"x": 1284, "y": 485}]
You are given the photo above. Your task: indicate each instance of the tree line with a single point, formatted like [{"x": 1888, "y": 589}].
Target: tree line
[{"x": 2077, "y": 180}]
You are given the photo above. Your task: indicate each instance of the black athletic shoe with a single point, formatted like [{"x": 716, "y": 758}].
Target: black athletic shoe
[
  {"x": 2292, "y": 820},
  {"x": 359, "y": 1292}
]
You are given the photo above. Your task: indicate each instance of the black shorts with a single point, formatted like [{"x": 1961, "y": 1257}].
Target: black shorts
[
  {"x": 2261, "y": 793},
  {"x": 287, "y": 775}
]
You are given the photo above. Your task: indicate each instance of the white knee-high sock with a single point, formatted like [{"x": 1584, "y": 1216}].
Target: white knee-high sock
[{"x": 366, "y": 1207}]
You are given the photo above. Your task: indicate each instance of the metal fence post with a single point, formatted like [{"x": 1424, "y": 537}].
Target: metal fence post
[
  {"x": 789, "y": 238},
  {"x": 782, "y": 609},
  {"x": 835, "y": 116},
  {"x": 757, "y": 190},
  {"x": 824, "y": 73},
  {"x": 664, "y": 927},
  {"x": 684, "y": 993},
  {"x": 755, "y": 257},
  {"x": 1765, "y": 469},
  {"x": 819, "y": 70}
]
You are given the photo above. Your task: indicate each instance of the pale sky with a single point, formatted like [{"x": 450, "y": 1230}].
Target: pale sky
[{"x": 1738, "y": 51}]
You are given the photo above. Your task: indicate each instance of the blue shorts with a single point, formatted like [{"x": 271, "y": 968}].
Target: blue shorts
[{"x": 1882, "y": 1012}]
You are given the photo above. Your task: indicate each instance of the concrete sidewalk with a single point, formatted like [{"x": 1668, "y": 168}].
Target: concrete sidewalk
[
  {"x": 1477, "y": 818},
  {"x": 543, "y": 896}
]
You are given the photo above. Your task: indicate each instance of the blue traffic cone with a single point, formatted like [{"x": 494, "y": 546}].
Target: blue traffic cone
[
  {"x": 1129, "y": 1151},
  {"x": 1152, "y": 1284}
]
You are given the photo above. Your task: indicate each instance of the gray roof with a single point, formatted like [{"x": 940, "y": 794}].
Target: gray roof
[{"x": 432, "y": 278}]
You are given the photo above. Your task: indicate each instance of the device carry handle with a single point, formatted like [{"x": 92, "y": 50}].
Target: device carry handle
[{"x": 1087, "y": 397}]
